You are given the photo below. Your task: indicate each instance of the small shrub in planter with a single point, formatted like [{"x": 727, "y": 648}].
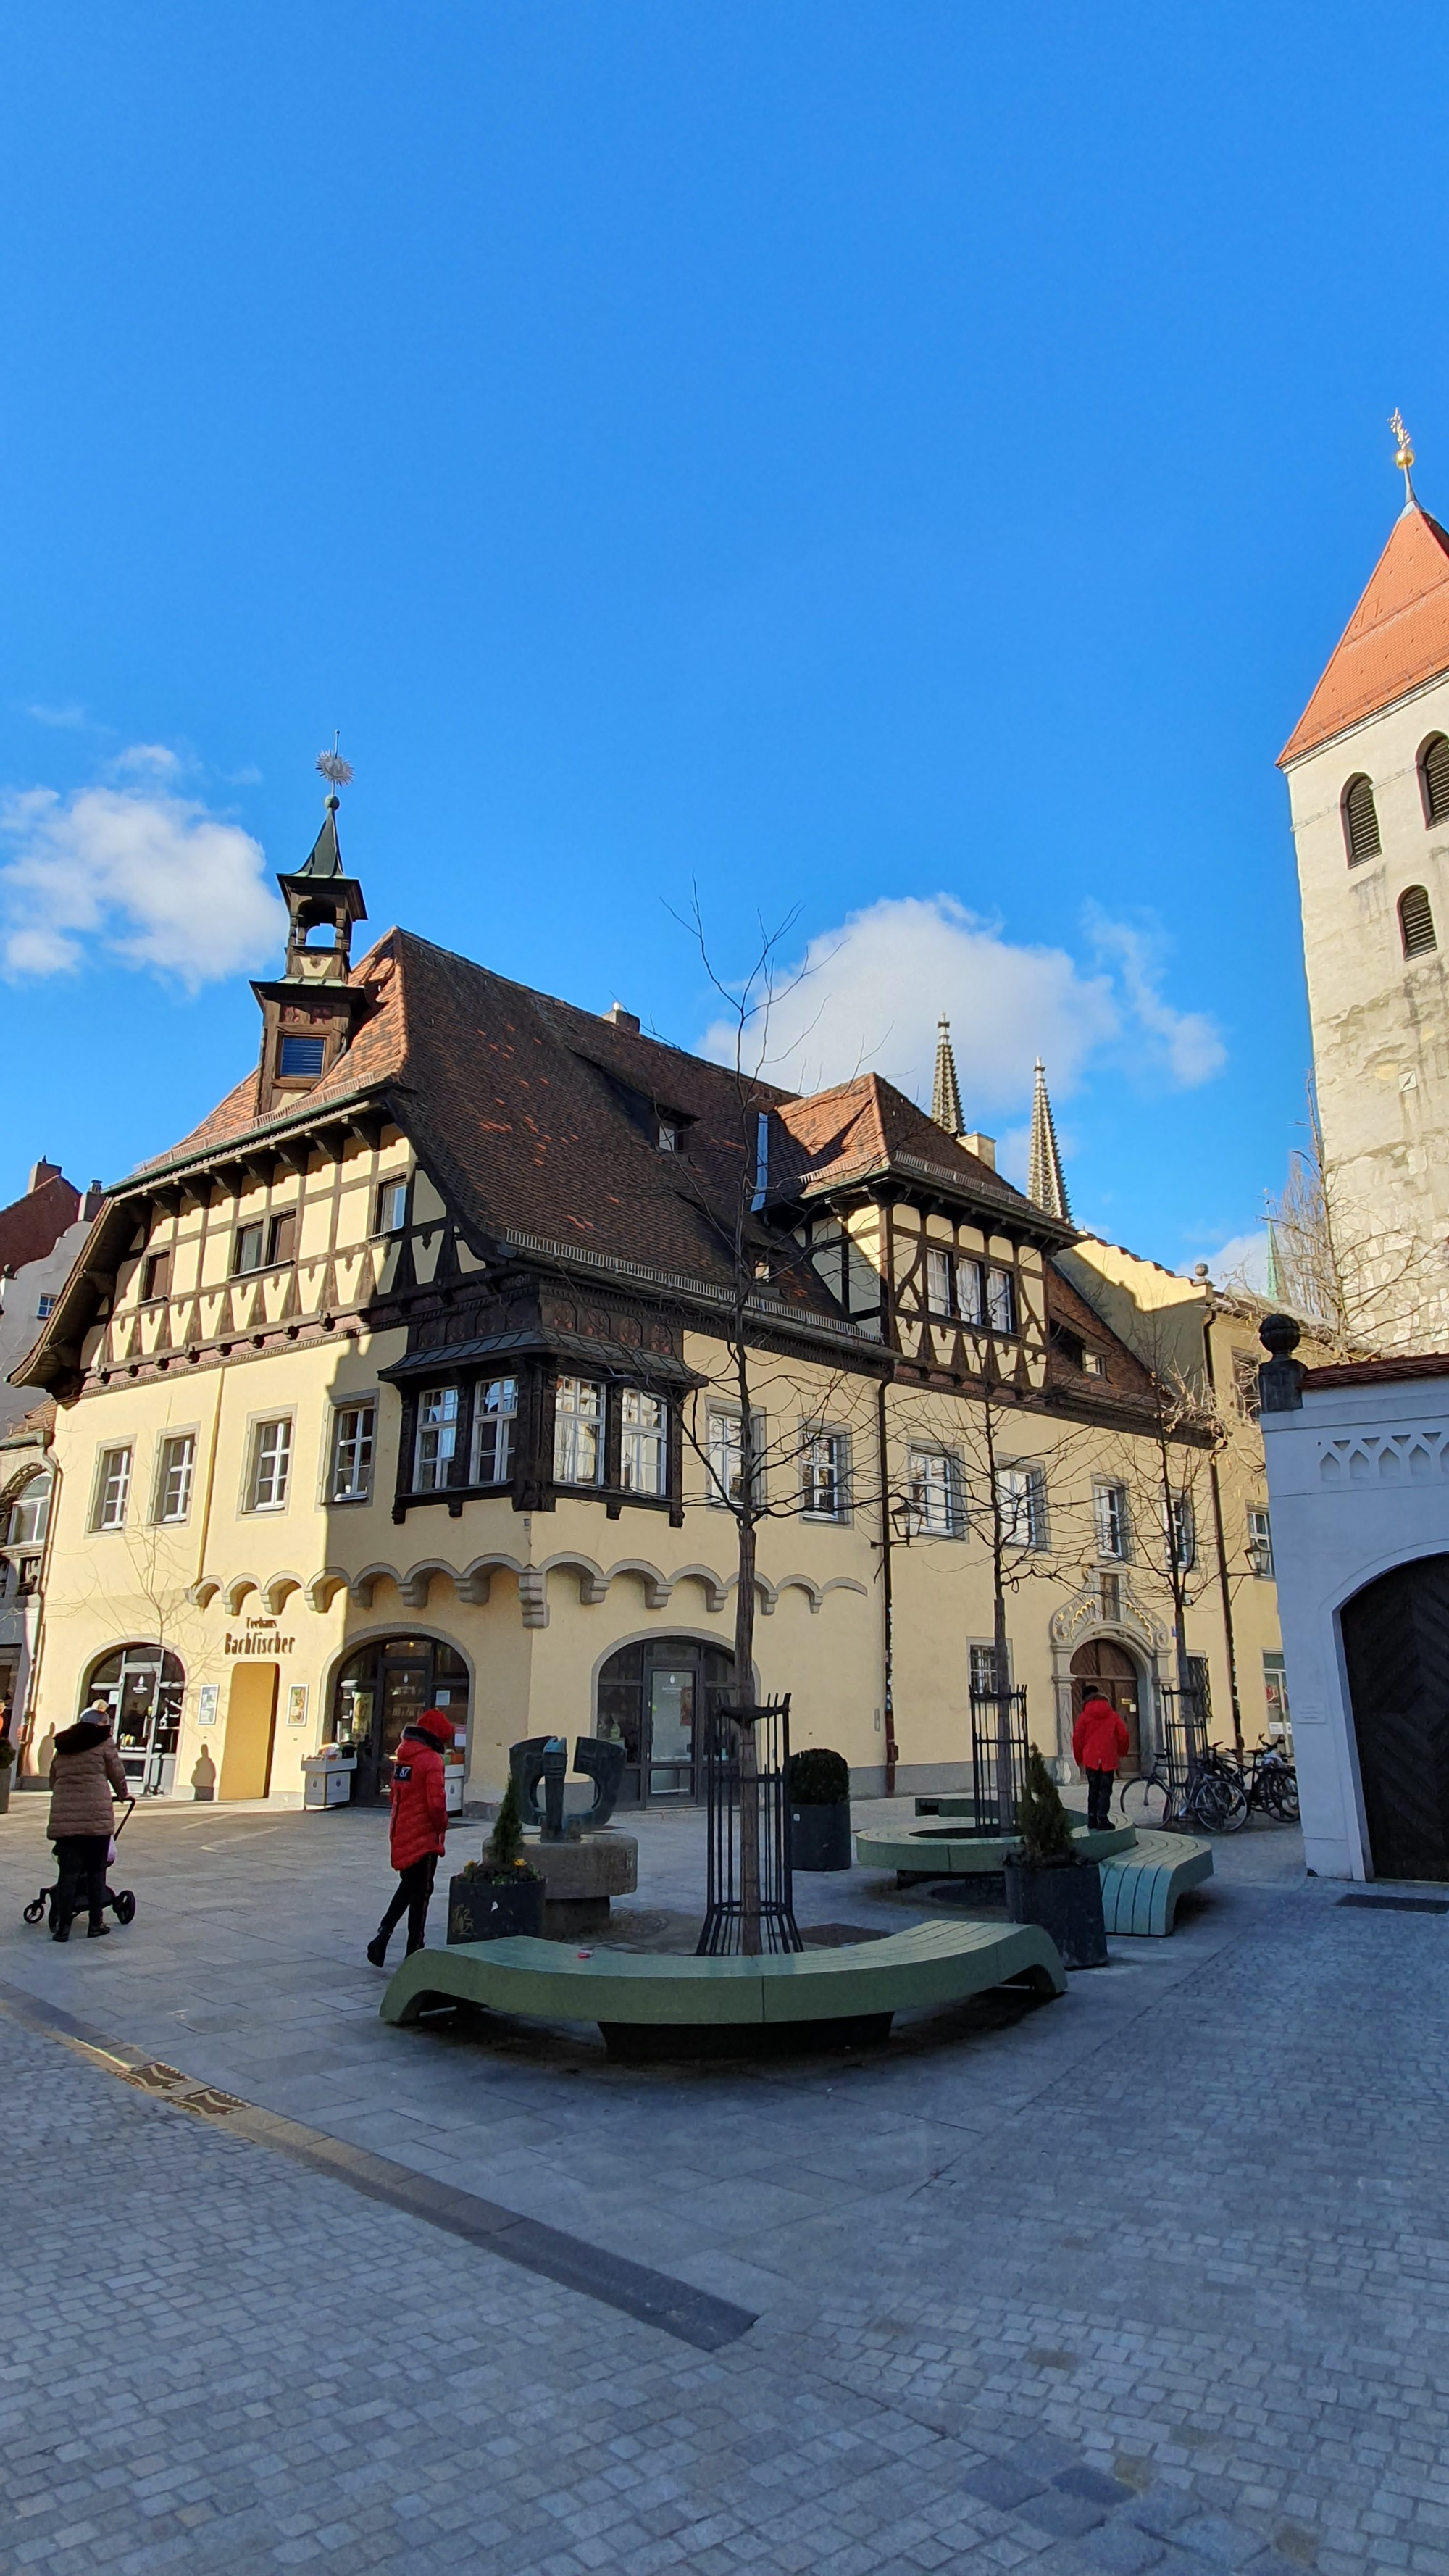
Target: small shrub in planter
[
  {"x": 501, "y": 1893},
  {"x": 819, "y": 1809},
  {"x": 1047, "y": 1881}
]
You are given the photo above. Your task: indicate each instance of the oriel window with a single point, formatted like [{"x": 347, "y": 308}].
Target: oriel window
[
  {"x": 495, "y": 1423},
  {"x": 578, "y": 1432},
  {"x": 643, "y": 1437},
  {"x": 436, "y": 1444}
]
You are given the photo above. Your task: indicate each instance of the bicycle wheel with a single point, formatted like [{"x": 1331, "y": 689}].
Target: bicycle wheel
[
  {"x": 1283, "y": 1797},
  {"x": 1216, "y": 1802},
  {"x": 1144, "y": 1799}
]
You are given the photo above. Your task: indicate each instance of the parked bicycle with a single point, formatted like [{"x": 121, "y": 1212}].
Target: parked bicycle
[{"x": 1215, "y": 1793}]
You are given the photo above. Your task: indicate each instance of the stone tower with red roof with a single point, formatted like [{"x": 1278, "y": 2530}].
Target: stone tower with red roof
[{"x": 1368, "y": 780}]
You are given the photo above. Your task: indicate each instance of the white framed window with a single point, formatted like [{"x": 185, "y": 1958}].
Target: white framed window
[
  {"x": 578, "y": 1432},
  {"x": 1110, "y": 1516},
  {"x": 938, "y": 1282},
  {"x": 354, "y": 1447},
  {"x": 175, "y": 1465},
  {"x": 981, "y": 1665},
  {"x": 1000, "y": 1299},
  {"x": 1179, "y": 1533},
  {"x": 970, "y": 1290},
  {"x": 271, "y": 1465},
  {"x": 825, "y": 1475},
  {"x": 955, "y": 1285},
  {"x": 668, "y": 1136},
  {"x": 495, "y": 1423},
  {"x": 113, "y": 1485},
  {"x": 436, "y": 1443},
  {"x": 45, "y": 1306},
  {"x": 1021, "y": 1495},
  {"x": 725, "y": 1448},
  {"x": 29, "y": 1513},
  {"x": 248, "y": 1248},
  {"x": 392, "y": 1207},
  {"x": 643, "y": 1442},
  {"x": 1260, "y": 1544},
  {"x": 938, "y": 1504}
]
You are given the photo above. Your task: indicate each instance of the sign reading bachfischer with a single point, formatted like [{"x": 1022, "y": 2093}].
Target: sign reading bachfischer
[{"x": 261, "y": 1638}]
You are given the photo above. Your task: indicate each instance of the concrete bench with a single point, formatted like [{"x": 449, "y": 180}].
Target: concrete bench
[
  {"x": 936, "y": 1851},
  {"x": 1140, "y": 1888},
  {"x": 659, "y": 2006}
]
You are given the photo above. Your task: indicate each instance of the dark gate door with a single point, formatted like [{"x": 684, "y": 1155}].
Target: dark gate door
[
  {"x": 1396, "y": 1647},
  {"x": 1104, "y": 1666}
]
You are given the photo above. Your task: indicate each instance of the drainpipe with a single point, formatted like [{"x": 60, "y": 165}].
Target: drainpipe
[
  {"x": 26, "y": 1725},
  {"x": 888, "y": 1710},
  {"x": 1220, "y": 1541}
]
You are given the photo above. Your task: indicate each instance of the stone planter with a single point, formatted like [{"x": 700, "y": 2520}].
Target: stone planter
[
  {"x": 482, "y": 1908},
  {"x": 1065, "y": 1899},
  {"x": 820, "y": 1837}
]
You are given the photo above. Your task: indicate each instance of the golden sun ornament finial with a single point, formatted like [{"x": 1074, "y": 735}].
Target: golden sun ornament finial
[
  {"x": 1403, "y": 454},
  {"x": 336, "y": 771}
]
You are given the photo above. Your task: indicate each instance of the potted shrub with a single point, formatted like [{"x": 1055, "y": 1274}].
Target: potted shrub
[
  {"x": 819, "y": 1810},
  {"x": 502, "y": 1892},
  {"x": 1047, "y": 1880}
]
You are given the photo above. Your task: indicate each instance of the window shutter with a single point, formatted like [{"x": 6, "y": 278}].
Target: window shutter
[
  {"x": 1435, "y": 766},
  {"x": 1416, "y": 922},
  {"x": 1360, "y": 821}
]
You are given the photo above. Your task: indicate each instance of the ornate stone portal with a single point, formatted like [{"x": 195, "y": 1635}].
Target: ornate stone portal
[{"x": 1116, "y": 1614}]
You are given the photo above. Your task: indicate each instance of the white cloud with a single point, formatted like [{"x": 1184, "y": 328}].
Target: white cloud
[
  {"x": 146, "y": 760},
  {"x": 1242, "y": 1261},
  {"x": 149, "y": 879},
  {"x": 871, "y": 992},
  {"x": 68, "y": 717},
  {"x": 1186, "y": 1041}
]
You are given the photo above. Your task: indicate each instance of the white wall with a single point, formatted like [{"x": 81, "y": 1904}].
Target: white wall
[
  {"x": 1358, "y": 1482},
  {"x": 20, "y": 1317}
]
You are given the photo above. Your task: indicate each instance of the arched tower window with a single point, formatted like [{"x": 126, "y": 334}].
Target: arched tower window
[
  {"x": 1416, "y": 922},
  {"x": 1360, "y": 821},
  {"x": 1434, "y": 778}
]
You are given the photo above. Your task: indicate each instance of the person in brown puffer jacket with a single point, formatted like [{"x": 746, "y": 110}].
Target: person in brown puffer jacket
[{"x": 85, "y": 1776}]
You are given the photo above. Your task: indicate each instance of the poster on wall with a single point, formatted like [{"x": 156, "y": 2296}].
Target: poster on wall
[
  {"x": 206, "y": 1699},
  {"x": 297, "y": 1704}
]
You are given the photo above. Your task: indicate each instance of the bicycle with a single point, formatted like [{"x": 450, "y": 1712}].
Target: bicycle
[
  {"x": 1211, "y": 1795},
  {"x": 1272, "y": 1785}
]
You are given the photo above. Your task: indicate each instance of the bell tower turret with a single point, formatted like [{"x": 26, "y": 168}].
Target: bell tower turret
[{"x": 309, "y": 1016}]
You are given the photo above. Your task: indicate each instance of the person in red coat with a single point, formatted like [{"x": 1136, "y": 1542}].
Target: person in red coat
[
  {"x": 419, "y": 1828},
  {"x": 1099, "y": 1740}
]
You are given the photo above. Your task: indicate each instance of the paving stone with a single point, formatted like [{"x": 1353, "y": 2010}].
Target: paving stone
[
  {"x": 1094, "y": 2484},
  {"x": 1000, "y": 2483},
  {"x": 1064, "y": 2515},
  {"x": 1226, "y": 2543}
]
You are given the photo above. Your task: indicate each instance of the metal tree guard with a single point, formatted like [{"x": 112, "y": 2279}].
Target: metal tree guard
[
  {"x": 758, "y": 1784},
  {"x": 1185, "y": 1719},
  {"x": 998, "y": 1735}
]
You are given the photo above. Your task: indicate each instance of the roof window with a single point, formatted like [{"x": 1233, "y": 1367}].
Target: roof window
[{"x": 301, "y": 1059}]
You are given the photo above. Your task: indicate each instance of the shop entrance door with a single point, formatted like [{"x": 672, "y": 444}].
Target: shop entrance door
[
  {"x": 653, "y": 1699},
  {"x": 251, "y": 1717}
]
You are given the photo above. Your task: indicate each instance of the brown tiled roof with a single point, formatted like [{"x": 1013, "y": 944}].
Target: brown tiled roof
[
  {"x": 1397, "y": 637},
  {"x": 1126, "y": 1375},
  {"x": 1376, "y": 1372},
  {"x": 31, "y": 1227}
]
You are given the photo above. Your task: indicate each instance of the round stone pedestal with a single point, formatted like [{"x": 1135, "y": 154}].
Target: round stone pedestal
[{"x": 579, "y": 1879}]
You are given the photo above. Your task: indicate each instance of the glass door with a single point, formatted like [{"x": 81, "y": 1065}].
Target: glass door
[{"x": 673, "y": 1691}]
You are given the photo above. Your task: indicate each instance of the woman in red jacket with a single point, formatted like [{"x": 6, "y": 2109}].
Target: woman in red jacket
[
  {"x": 419, "y": 1828},
  {"x": 1099, "y": 1740}
]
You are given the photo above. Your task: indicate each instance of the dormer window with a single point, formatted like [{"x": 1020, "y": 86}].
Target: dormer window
[
  {"x": 668, "y": 1136},
  {"x": 301, "y": 1059}
]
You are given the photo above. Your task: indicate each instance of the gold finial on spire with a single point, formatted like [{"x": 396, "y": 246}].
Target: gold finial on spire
[{"x": 1403, "y": 455}]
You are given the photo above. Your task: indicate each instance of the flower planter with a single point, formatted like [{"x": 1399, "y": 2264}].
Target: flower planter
[
  {"x": 486, "y": 1908},
  {"x": 820, "y": 1837},
  {"x": 1063, "y": 1898}
]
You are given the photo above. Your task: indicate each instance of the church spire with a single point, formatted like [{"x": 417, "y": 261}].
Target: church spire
[
  {"x": 945, "y": 1091},
  {"x": 1045, "y": 1183}
]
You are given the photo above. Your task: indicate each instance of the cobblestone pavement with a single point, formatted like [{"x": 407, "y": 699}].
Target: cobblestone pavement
[{"x": 1150, "y": 2278}]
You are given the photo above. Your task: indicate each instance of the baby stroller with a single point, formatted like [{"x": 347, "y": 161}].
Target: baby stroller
[{"x": 120, "y": 1900}]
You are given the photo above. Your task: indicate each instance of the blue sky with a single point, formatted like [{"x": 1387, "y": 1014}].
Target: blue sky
[{"x": 897, "y": 466}]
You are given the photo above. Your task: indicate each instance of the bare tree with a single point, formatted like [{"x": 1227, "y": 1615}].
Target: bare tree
[{"x": 1359, "y": 1284}]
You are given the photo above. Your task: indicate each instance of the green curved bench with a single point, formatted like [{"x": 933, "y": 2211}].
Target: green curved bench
[
  {"x": 935, "y": 1851},
  {"x": 660, "y": 2006},
  {"x": 1140, "y": 1890}
]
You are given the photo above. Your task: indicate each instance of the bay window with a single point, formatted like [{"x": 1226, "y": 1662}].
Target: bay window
[
  {"x": 495, "y": 1420},
  {"x": 436, "y": 1443},
  {"x": 578, "y": 1432},
  {"x": 643, "y": 1432}
]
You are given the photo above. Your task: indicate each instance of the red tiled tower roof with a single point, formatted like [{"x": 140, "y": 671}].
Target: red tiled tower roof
[{"x": 1397, "y": 637}]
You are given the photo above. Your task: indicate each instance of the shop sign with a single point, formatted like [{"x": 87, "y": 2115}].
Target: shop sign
[
  {"x": 297, "y": 1704},
  {"x": 206, "y": 1700},
  {"x": 260, "y": 1638}
]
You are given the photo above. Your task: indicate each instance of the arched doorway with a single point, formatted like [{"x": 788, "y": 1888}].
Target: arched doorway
[
  {"x": 651, "y": 1698},
  {"x": 145, "y": 1686},
  {"x": 1396, "y": 1648},
  {"x": 1104, "y": 1666},
  {"x": 381, "y": 1689}
]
